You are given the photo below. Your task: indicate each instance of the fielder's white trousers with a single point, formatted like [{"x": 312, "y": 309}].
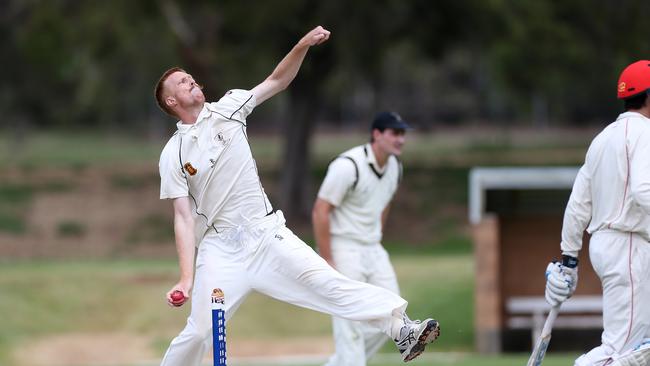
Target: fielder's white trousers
[
  {"x": 356, "y": 341},
  {"x": 268, "y": 258},
  {"x": 622, "y": 261}
]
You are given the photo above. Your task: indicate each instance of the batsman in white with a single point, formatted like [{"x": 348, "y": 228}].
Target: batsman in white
[
  {"x": 348, "y": 218},
  {"x": 222, "y": 214},
  {"x": 611, "y": 200}
]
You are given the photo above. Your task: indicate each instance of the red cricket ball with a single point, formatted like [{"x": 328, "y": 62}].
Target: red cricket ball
[{"x": 177, "y": 297}]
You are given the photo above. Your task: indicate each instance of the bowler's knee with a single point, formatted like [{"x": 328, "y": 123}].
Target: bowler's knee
[{"x": 195, "y": 334}]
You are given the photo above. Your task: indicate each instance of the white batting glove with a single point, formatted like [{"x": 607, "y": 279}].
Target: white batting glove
[{"x": 561, "y": 282}]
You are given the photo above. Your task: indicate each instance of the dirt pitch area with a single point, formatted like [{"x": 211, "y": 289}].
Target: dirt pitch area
[{"x": 93, "y": 349}]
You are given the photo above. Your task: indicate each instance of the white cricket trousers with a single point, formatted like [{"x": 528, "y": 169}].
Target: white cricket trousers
[
  {"x": 622, "y": 262},
  {"x": 355, "y": 341},
  {"x": 267, "y": 257}
]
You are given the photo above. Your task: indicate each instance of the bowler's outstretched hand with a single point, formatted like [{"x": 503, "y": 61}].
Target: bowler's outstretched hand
[{"x": 316, "y": 36}]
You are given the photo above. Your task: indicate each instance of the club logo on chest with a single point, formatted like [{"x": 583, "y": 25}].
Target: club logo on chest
[{"x": 190, "y": 169}]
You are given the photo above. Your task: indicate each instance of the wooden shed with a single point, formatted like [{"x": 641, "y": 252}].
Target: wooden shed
[{"x": 516, "y": 216}]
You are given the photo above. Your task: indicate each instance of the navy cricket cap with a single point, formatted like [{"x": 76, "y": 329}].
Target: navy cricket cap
[{"x": 386, "y": 120}]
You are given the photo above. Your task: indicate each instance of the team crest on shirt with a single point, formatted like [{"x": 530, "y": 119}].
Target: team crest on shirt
[{"x": 190, "y": 169}]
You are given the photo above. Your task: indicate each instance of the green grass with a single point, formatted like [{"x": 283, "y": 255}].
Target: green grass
[
  {"x": 448, "y": 359},
  {"x": 15, "y": 194},
  {"x": 15, "y": 199},
  {"x": 441, "y": 148},
  {"x": 12, "y": 223},
  {"x": 151, "y": 229},
  {"x": 48, "y": 298},
  {"x": 75, "y": 150},
  {"x": 71, "y": 229},
  {"x": 476, "y": 360}
]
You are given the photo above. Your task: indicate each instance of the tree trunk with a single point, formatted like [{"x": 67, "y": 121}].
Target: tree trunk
[{"x": 296, "y": 195}]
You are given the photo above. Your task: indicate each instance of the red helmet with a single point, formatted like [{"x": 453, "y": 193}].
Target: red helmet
[{"x": 634, "y": 79}]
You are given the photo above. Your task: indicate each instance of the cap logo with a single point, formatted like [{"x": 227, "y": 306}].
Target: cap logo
[
  {"x": 190, "y": 169},
  {"x": 621, "y": 86}
]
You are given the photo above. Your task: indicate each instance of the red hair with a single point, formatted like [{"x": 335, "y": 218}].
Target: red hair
[{"x": 158, "y": 93}]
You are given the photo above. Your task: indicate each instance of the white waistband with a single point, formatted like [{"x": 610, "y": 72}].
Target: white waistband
[
  {"x": 618, "y": 232},
  {"x": 345, "y": 239},
  {"x": 255, "y": 227}
]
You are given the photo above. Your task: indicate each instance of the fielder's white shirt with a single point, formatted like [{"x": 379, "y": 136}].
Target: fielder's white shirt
[
  {"x": 358, "y": 209},
  {"x": 612, "y": 189},
  {"x": 211, "y": 162}
]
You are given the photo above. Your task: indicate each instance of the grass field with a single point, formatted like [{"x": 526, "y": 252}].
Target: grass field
[
  {"x": 50, "y": 298},
  {"x": 47, "y": 300},
  {"x": 443, "y": 359},
  {"x": 464, "y": 147},
  {"x": 78, "y": 306}
]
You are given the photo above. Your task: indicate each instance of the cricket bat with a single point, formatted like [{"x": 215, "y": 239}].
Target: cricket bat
[{"x": 542, "y": 344}]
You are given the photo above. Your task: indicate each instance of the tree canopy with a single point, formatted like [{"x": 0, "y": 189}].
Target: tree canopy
[
  {"x": 93, "y": 64},
  {"x": 71, "y": 64}
]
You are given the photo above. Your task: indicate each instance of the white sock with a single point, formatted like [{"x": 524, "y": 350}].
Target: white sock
[{"x": 396, "y": 326}]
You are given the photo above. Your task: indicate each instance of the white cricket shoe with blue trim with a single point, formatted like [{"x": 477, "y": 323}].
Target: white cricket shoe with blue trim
[{"x": 414, "y": 336}]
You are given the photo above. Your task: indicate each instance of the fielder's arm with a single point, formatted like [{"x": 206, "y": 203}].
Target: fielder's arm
[
  {"x": 320, "y": 217},
  {"x": 184, "y": 234},
  {"x": 288, "y": 68}
]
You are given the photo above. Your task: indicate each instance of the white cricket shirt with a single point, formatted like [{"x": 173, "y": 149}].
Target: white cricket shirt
[
  {"x": 359, "y": 193},
  {"x": 612, "y": 189},
  {"x": 211, "y": 162}
]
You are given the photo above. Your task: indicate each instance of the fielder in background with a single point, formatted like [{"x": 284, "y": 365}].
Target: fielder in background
[
  {"x": 611, "y": 200},
  {"x": 348, "y": 218},
  {"x": 222, "y": 214}
]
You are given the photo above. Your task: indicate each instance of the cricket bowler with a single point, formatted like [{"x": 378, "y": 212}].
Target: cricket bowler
[{"x": 229, "y": 237}]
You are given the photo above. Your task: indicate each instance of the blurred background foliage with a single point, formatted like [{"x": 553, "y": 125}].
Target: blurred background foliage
[{"x": 92, "y": 64}]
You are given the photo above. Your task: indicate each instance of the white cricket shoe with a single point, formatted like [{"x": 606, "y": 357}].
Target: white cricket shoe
[{"x": 414, "y": 336}]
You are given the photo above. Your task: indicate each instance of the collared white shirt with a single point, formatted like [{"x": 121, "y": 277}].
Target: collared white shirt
[
  {"x": 211, "y": 162},
  {"x": 612, "y": 189},
  {"x": 360, "y": 193}
]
